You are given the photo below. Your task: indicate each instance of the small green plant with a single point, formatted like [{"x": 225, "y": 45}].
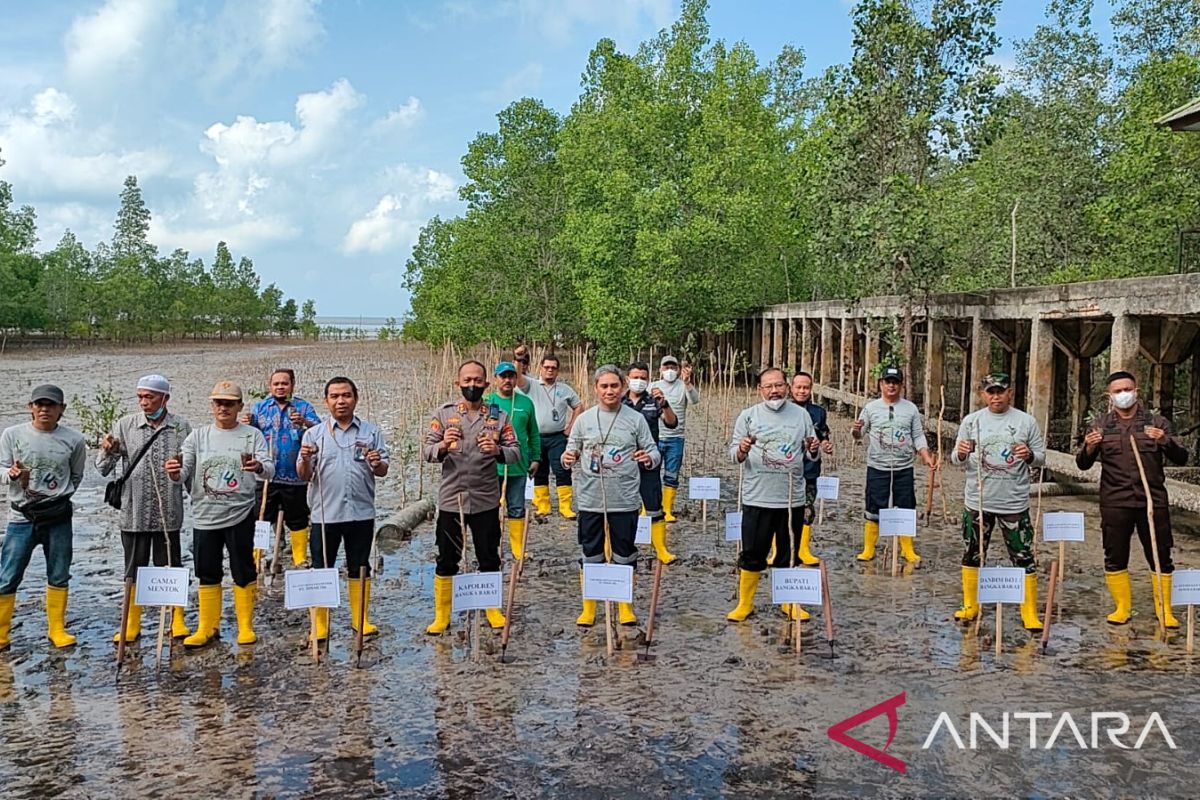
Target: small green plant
[
  {"x": 256, "y": 392},
  {"x": 97, "y": 417}
]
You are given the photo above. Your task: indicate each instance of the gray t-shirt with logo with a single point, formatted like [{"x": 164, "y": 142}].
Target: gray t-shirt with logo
[
  {"x": 894, "y": 433},
  {"x": 606, "y": 476},
  {"x": 1005, "y": 477},
  {"x": 779, "y": 453},
  {"x": 55, "y": 460}
]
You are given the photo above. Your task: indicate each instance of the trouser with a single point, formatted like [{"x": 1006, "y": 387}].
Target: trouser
[
  {"x": 19, "y": 541},
  {"x": 762, "y": 526},
  {"x": 553, "y": 445},
  {"x": 672, "y": 459},
  {"x": 514, "y": 495},
  {"x": 1117, "y": 526},
  {"x": 622, "y": 530},
  {"x": 810, "y": 499},
  {"x": 139, "y": 544},
  {"x": 889, "y": 489},
  {"x": 1018, "y": 537},
  {"x": 291, "y": 497},
  {"x": 485, "y": 538},
  {"x": 208, "y": 551},
  {"x": 357, "y": 537},
  {"x": 651, "y": 492}
]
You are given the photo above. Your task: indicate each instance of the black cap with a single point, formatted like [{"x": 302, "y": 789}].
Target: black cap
[
  {"x": 47, "y": 391},
  {"x": 892, "y": 373}
]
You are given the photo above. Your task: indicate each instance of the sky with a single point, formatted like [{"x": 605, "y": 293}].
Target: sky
[{"x": 318, "y": 137}]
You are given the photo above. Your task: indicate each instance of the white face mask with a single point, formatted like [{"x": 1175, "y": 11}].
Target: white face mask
[
  {"x": 1124, "y": 400},
  {"x": 669, "y": 375},
  {"x": 776, "y": 403},
  {"x": 638, "y": 385}
]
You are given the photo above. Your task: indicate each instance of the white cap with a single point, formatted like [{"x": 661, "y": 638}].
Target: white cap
[{"x": 155, "y": 383}]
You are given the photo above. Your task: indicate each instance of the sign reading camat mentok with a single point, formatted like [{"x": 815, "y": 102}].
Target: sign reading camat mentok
[
  {"x": 162, "y": 586},
  {"x": 474, "y": 591}
]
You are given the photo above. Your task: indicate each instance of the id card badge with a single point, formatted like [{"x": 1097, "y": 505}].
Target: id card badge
[
  {"x": 554, "y": 414},
  {"x": 360, "y": 450},
  {"x": 596, "y": 460}
]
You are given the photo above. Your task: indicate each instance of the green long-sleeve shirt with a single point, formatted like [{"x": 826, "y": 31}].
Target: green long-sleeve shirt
[{"x": 523, "y": 417}]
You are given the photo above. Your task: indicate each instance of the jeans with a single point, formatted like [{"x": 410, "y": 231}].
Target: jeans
[
  {"x": 672, "y": 460},
  {"x": 515, "y": 498},
  {"x": 22, "y": 537},
  {"x": 357, "y": 536}
]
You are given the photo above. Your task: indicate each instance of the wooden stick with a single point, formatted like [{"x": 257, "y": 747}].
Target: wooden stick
[
  {"x": 653, "y": 604},
  {"x": 895, "y": 556},
  {"x": 999, "y": 626},
  {"x": 126, "y": 599},
  {"x": 275, "y": 567},
  {"x": 979, "y": 488},
  {"x": 821, "y": 513},
  {"x": 1062, "y": 575},
  {"x": 827, "y": 605},
  {"x": 1164, "y": 601},
  {"x": 362, "y": 614},
  {"x": 1049, "y": 604},
  {"x": 1191, "y": 628},
  {"x": 608, "y": 628},
  {"x": 158, "y": 647},
  {"x": 942, "y": 484},
  {"x": 704, "y": 518}
]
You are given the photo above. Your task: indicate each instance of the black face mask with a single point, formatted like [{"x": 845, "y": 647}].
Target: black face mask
[{"x": 472, "y": 394}]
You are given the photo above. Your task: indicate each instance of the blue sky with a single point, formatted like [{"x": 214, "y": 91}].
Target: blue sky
[{"x": 314, "y": 137}]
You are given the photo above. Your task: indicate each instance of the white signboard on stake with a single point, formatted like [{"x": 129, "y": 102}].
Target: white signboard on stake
[
  {"x": 529, "y": 488},
  {"x": 477, "y": 590},
  {"x": 1001, "y": 585},
  {"x": 643, "y": 531},
  {"x": 897, "y": 522},
  {"x": 733, "y": 526},
  {"x": 162, "y": 586},
  {"x": 704, "y": 488},
  {"x": 1185, "y": 587},
  {"x": 608, "y": 582},
  {"x": 796, "y": 585},
  {"x": 311, "y": 588},
  {"x": 1062, "y": 526},
  {"x": 827, "y": 487},
  {"x": 263, "y": 540}
]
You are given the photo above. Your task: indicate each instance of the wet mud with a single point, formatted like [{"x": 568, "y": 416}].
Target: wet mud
[{"x": 722, "y": 710}]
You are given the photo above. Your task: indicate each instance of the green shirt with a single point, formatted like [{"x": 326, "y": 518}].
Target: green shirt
[{"x": 522, "y": 416}]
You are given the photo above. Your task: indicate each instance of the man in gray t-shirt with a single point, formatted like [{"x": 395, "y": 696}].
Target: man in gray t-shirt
[
  {"x": 556, "y": 405},
  {"x": 1002, "y": 444},
  {"x": 41, "y": 464}
]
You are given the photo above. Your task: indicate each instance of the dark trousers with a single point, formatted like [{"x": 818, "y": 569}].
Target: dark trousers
[
  {"x": 622, "y": 530},
  {"x": 889, "y": 489},
  {"x": 139, "y": 544},
  {"x": 651, "y": 491},
  {"x": 553, "y": 445},
  {"x": 760, "y": 527},
  {"x": 1117, "y": 526},
  {"x": 1018, "y": 537},
  {"x": 292, "y": 498},
  {"x": 210, "y": 544},
  {"x": 485, "y": 537},
  {"x": 357, "y": 536}
]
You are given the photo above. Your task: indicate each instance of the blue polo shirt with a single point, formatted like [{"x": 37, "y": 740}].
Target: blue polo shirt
[{"x": 282, "y": 436}]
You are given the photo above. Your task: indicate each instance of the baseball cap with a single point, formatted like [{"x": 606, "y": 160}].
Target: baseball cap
[
  {"x": 47, "y": 391},
  {"x": 892, "y": 373},
  {"x": 668, "y": 360},
  {"x": 999, "y": 379},
  {"x": 226, "y": 390},
  {"x": 154, "y": 383},
  {"x": 505, "y": 366}
]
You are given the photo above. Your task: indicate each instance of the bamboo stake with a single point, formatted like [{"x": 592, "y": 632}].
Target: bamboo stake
[
  {"x": 999, "y": 627},
  {"x": 1164, "y": 601},
  {"x": 275, "y": 568},
  {"x": 653, "y": 609},
  {"x": 1191, "y": 628},
  {"x": 126, "y": 598},
  {"x": 1049, "y": 604},
  {"x": 608, "y": 629},
  {"x": 827, "y": 604},
  {"x": 979, "y": 489}
]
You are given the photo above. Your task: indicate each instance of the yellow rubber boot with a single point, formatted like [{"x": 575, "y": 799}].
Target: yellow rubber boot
[
  {"x": 669, "y": 503},
  {"x": 299, "y": 547},
  {"x": 516, "y": 538},
  {"x": 56, "y": 616},
  {"x": 179, "y": 628},
  {"x": 355, "y": 587},
  {"x": 588, "y": 618},
  {"x": 564, "y": 502},
  {"x": 208, "y": 624},
  {"x": 541, "y": 500},
  {"x": 1122, "y": 594},
  {"x": 7, "y": 603},
  {"x": 806, "y": 556},
  {"x": 443, "y": 595},
  {"x": 625, "y": 614},
  {"x": 320, "y": 625},
  {"x": 907, "y": 550},
  {"x": 870, "y": 538},
  {"x": 747, "y": 586},
  {"x": 1163, "y": 610},
  {"x": 243, "y": 605},
  {"x": 133, "y": 624},
  {"x": 658, "y": 538},
  {"x": 970, "y": 587},
  {"x": 1029, "y": 611},
  {"x": 495, "y": 618}
]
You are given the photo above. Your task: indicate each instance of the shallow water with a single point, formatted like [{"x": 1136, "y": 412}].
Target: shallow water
[{"x": 721, "y": 711}]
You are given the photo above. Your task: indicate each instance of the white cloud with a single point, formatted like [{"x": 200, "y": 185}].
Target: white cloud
[
  {"x": 245, "y": 235},
  {"x": 557, "y": 19},
  {"x": 113, "y": 39},
  {"x": 406, "y": 116},
  {"x": 395, "y": 221},
  {"x": 522, "y": 83},
  {"x": 257, "y": 37}
]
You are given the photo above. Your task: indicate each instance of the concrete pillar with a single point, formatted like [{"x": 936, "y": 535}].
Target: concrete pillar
[
  {"x": 827, "y": 352},
  {"x": 756, "y": 328},
  {"x": 866, "y": 384},
  {"x": 846, "y": 369},
  {"x": 793, "y": 343},
  {"x": 935, "y": 364},
  {"x": 806, "y": 347},
  {"x": 777, "y": 345},
  {"x": 1126, "y": 339},
  {"x": 1163, "y": 390},
  {"x": 1040, "y": 389},
  {"x": 1080, "y": 389},
  {"x": 764, "y": 359},
  {"x": 981, "y": 357}
]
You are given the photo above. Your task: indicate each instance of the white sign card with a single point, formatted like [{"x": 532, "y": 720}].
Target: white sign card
[
  {"x": 704, "y": 488},
  {"x": 643, "y": 531},
  {"x": 796, "y": 585},
  {"x": 162, "y": 586},
  {"x": 827, "y": 487},
  {"x": 1062, "y": 526},
  {"x": 1001, "y": 585},
  {"x": 263, "y": 540},
  {"x": 733, "y": 526},
  {"x": 529, "y": 488},
  {"x": 608, "y": 582},
  {"x": 311, "y": 588},
  {"x": 1185, "y": 587},
  {"x": 477, "y": 590},
  {"x": 897, "y": 522}
]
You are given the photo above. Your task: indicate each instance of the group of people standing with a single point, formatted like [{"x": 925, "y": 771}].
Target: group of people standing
[{"x": 612, "y": 462}]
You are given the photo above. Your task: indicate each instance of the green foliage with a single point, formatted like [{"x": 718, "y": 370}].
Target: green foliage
[{"x": 97, "y": 416}]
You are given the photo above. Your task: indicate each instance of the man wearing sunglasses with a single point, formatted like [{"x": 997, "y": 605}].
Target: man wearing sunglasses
[
  {"x": 895, "y": 437},
  {"x": 556, "y": 406},
  {"x": 1006, "y": 444}
]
